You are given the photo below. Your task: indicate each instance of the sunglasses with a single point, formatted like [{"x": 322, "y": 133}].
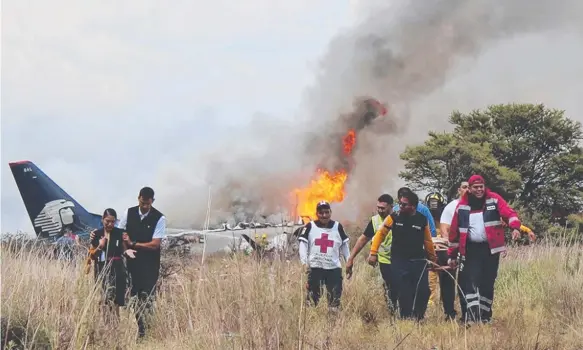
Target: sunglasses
[{"x": 401, "y": 204}]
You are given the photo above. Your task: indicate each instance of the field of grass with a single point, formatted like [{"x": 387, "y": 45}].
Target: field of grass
[{"x": 239, "y": 303}]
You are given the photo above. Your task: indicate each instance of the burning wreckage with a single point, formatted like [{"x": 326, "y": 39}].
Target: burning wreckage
[{"x": 328, "y": 183}]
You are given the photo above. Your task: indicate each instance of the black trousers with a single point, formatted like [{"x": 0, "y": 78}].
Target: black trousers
[
  {"x": 477, "y": 278},
  {"x": 144, "y": 277},
  {"x": 332, "y": 279},
  {"x": 113, "y": 275},
  {"x": 446, "y": 286},
  {"x": 410, "y": 284},
  {"x": 385, "y": 270}
]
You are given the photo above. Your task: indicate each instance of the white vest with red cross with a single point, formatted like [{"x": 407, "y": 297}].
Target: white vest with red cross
[{"x": 324, "y": 247}]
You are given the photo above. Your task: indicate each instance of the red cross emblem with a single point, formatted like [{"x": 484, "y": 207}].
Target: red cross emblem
[{"x": 324, "y": 243}]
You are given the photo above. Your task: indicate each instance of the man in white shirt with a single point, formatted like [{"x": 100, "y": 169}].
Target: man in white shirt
[
  {"x": 321, "y": 244},
  {"x": 449, "y": 210},
  {"x": 446, "y": 281},
  {"x": 145, "y": 227}
]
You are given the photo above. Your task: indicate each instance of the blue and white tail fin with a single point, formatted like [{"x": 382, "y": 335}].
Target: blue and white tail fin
[{"x": 52, "y": 211}]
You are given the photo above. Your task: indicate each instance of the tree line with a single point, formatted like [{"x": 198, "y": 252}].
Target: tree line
[{"x": 530, "y": 154}]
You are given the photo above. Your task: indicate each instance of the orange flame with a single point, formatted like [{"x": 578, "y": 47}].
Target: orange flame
[
  {"x": 349, "y": 141},
  {"x": 328, "y": 186}
]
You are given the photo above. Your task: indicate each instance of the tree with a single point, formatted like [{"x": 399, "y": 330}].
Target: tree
[
  {"x": 530, "y": 154},
  {"x": 445, "y": 160}
]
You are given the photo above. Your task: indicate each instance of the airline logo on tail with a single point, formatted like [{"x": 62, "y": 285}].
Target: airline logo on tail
[{"x": 54, "y": 216}]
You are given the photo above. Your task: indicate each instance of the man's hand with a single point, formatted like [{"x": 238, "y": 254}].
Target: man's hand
[
  {"x": 349, "y": 264},
  {"x": 372, "y": 260},
  {"x": 452, "y": 263},
  {"x": 515, "y": 234},
  {"x": 531, "y": 236}
]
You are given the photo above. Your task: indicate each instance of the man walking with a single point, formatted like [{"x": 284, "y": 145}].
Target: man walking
[
  {"x": 425, "y": 211},
  {"x": 447, "y": 282},
  {"x": 321, "y": 244},
  {"x": 420, "y": 208},
  {"x": 411, "y": 247},
  {"x": 384, "y": 208},
  {"x": 477, "y": 234},
  {"x": 145, "y": 227}
]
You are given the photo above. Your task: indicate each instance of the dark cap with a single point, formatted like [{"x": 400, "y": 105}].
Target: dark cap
[{"x": 322, "y": 205}]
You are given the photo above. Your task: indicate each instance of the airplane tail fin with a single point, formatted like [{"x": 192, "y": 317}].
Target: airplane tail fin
[{"x": 51, "y": 210}]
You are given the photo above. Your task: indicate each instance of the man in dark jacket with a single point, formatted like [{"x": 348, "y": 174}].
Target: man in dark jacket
[{"x": 411, "y": 247}]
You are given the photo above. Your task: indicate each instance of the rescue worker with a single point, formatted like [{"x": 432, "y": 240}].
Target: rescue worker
[
  {"x": 420, "y": 208},
  {"x": 447, "y": 282},
  {"x": 477, "y": 235},
  {"x": 410, "y": 248},
  {"x": 425, "y": 211},
  {"x": 321, "y": 244},
  {"x": 384, "y": 208}
]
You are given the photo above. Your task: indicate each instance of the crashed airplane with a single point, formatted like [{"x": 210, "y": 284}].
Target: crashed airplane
[{"x": 56, "y": 216}]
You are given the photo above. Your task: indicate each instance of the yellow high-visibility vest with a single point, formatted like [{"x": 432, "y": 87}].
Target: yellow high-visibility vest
[{"x": 384, "y": 254}]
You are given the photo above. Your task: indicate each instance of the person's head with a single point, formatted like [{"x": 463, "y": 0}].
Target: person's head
[
  {"x": 323, "y": 212},
  {"x": 145, "y": 199},
  {"x": 463, "y": 189},
  {"x": 385, "y": 205},
  {"x": 477, "y": 186},
  {"x": 402, "y": 191},
  {"x": 108, "y": 219},
  {"x": 435, "y": 202},
  {"x": 408, "y": 203}
]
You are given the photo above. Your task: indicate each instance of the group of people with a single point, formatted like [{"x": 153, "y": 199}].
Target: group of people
[
  {"x": 462, "y": 253},
  {"x": 135, "y": 235},
  {"x": 403, "y": 238}
]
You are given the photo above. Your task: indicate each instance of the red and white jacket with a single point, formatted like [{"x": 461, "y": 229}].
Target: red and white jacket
[{"x": 495, "y": 208}]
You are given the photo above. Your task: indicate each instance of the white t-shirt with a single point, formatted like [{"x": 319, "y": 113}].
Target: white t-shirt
[
  {"x": 477, "y": 230},
  {"x": 448, "y": 211}
]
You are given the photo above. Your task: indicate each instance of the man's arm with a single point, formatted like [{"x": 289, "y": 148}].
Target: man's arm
[
  {"x": 362, "y": 240},
  {"x": 444, "y": 230},
  {"x": 380, "y": 235},
  {"x": 428, "y": 243},
  {"x": 453, "y": 237},
  {"x": 507, "y": 213},
  {"x": 303, "y": 238},
  {"x": 344, "y": 249},
  {"x": 445, "y": 220},
  {"x": 159, "y": 233},
  {"x": 303, "y": 252}
]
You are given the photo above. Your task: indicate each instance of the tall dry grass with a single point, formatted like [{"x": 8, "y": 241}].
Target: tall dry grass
[{"x": 239, "y": 303}]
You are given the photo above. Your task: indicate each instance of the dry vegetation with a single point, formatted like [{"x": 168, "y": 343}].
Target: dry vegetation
[{"x": 238, "y": 303}]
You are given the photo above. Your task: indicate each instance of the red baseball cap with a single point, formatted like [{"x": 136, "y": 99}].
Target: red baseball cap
[{"x": 476, "y": 179}]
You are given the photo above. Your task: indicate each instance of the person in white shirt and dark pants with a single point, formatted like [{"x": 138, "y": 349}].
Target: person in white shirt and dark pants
[
  {"x": 145, "y": 227},
  {"x": 321, "y": 244}
]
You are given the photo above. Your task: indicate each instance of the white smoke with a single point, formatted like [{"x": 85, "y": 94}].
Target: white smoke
[{"x": 402, "y": 54}]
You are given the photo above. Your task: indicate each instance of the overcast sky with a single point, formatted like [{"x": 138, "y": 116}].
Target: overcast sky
[{"x": 92, "y": 90}]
